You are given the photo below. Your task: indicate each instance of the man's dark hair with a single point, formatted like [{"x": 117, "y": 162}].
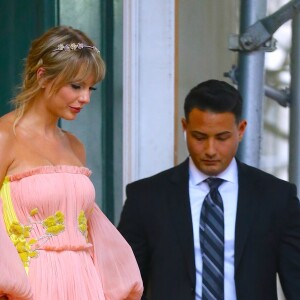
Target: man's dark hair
[{"x": 215, "y": 96}]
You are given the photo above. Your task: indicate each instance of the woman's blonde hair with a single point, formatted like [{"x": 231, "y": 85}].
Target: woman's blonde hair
[{"x": 61, "y": 64}]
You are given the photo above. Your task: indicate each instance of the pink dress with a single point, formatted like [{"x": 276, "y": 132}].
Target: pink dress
[{"x": 69, "y": 249}]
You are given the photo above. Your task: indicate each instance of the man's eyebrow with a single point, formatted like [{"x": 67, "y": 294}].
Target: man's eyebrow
[
  {"x": 224, "y": 132},
  {"x": 198, "y": 132},
  {"x": 204, "y": 134}
]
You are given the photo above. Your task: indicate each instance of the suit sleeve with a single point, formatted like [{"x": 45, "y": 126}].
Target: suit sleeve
[
  {"x": 133, "y": 229},
  {"x": 289, "y": 257}
]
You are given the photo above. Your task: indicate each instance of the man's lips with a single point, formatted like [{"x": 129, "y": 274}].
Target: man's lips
[{"x": 210, "y": 161}]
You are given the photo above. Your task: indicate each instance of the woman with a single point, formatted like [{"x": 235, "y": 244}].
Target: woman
[{"x": 55, "y": 241}]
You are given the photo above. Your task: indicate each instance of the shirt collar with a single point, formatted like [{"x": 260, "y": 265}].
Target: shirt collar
[{"x": 229, "y": 174}]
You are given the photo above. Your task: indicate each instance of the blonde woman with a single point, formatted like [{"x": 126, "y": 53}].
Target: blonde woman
[{"x": 55, "y": 241}]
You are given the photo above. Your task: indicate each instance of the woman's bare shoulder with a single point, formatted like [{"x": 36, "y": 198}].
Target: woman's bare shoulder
[
  {"x": 7, "y": 142},
  {"x": 6, "y": 128},
  {"x": 77, "y": 146}
]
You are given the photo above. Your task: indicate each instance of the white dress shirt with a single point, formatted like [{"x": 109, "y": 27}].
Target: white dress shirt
[{"x": 229, "y": 192}]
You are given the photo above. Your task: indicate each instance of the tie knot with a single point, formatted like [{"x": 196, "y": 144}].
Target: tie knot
[{"x": 214, "y": 183}]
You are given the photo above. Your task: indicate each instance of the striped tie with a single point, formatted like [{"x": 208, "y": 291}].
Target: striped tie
[{"x": 212, "y": 242}]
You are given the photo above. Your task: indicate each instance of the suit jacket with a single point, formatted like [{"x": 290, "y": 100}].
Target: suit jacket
[{"x": 156, "y": 221}]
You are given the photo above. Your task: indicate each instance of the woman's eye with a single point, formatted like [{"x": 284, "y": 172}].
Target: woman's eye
[
  {"x": 75, "y": 86},
  {"x": 92, "y": 88}
]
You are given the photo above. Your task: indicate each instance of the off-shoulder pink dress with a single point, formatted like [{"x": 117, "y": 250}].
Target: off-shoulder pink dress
[{"x": 62, "y": 240}]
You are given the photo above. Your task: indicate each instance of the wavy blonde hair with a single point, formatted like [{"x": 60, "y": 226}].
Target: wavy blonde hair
[{"x": 60, "y": 67}]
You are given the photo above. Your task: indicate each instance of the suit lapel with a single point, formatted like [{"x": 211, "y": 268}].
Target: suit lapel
[
  {"x": 180, "y": 212},
  {"x": 248, "y": 202}
]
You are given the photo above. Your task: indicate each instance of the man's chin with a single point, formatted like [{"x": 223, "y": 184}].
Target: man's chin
[{"x": 210, "y": 170}]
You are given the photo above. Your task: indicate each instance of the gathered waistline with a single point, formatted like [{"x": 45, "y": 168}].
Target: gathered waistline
[{"x": 67, "y": 248}]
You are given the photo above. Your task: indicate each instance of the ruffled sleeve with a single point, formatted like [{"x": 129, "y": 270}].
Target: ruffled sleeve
[
  {"x": 14, "y": 282},
  {"x": 114, "y": 259}
]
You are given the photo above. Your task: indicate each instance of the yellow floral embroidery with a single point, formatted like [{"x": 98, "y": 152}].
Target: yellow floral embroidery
[
  {"x": 55, "y": 223},
  {"x": 82, "y": 223},
  {"x": 19, "y": 235},
  {"x": 33, "y": 212},
  {"x": 55, "y": 229}
]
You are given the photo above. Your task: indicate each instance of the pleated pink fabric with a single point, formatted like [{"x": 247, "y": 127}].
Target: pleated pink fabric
[
  {"x": 96, "y": 264},
  {"x": 13, "y": 279}
]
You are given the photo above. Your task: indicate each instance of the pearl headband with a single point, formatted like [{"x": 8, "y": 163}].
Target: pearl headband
[{"x": 74, "y": 46}]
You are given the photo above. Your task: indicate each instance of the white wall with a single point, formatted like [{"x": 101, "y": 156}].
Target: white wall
[{"x": 148, "y": 110}]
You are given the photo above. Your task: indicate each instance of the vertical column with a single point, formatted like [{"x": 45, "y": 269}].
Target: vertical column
[
  {"x": 294, "y": 162},
  {"x": 251, "y": 85}
]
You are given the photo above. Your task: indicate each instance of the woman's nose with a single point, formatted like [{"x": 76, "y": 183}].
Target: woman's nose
[{"x": 85, "y": 97}]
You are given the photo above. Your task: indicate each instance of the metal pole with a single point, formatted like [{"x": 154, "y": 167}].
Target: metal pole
[
  {"x": 251, "y": 85},
  {"x": 294, "y": 151}
]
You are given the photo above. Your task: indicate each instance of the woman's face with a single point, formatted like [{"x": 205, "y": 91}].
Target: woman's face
[{"x": 70, "y": 99}]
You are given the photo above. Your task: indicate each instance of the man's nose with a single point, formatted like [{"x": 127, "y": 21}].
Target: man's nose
[{"x": 210, "y": 148}]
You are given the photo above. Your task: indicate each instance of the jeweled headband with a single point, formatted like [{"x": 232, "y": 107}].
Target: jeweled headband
[{"x": 74, "y": 46}]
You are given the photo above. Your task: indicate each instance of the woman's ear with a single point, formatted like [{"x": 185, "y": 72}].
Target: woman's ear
[{"x": 40, "y": 77}]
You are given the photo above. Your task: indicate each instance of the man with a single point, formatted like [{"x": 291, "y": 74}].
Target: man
[{"x": 213, "y": 227}]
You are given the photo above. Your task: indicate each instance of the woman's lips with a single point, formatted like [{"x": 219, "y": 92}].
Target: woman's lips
[{"x": 75, "y": 109}]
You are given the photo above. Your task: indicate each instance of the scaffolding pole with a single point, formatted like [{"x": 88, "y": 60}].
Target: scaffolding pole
[
  {"x": 294, "y": 139},
  {"x": 251, "y": 84}
]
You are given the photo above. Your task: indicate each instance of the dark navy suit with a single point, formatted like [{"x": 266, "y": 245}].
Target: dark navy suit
[{"x": 156, "y": 221}]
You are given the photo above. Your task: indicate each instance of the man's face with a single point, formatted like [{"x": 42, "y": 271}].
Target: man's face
[{"x": 212, "y": 139}]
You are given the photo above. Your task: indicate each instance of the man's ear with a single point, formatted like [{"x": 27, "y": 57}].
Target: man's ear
[
  {"x": 183, "y": 123},
  {"x": 184, "y": 127},
  {"x": 242, "y": 128}
]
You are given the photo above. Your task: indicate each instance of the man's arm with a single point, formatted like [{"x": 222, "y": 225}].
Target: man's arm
[
  {"x": 133, "y": 229},
  {"x": 289, "y": 257}
]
